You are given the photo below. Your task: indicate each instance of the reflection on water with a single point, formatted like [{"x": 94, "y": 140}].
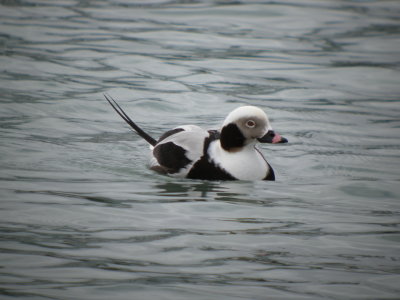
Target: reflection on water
[{"x": 83, "y": 217}]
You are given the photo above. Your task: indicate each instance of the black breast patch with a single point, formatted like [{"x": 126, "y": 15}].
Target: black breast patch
[
  {"x": 171, "y": 157},
  {"x": 271, "y": 174},
  {"x": 206, "y": 170}
]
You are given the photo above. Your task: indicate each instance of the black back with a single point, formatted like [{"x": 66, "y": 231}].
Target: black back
[{"x": 171, "y": 157}]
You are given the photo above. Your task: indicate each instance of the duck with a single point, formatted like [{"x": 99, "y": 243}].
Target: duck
[{"x": 230, "y": 153}]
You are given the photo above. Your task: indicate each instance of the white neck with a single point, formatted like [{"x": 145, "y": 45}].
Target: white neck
[{"x": 245, "y": 164}]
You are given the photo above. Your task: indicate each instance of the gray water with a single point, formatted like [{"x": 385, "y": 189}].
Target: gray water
[{"x": 81, "y": 215}]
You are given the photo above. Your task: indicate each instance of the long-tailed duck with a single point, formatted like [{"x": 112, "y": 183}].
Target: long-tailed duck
[{"x": 229, "y": 154}]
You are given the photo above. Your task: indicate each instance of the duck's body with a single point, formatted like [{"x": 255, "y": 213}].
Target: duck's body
[{"x": 229, "y": 154}]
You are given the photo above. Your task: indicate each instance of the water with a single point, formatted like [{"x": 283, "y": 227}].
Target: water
[{"x": 83, "y": 218}]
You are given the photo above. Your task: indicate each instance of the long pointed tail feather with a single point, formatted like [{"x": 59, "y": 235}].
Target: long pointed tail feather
[{"x": 128, "y": 120}]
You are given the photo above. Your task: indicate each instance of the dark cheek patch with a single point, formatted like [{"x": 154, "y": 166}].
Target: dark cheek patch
[{"x": 231, "y": 137}]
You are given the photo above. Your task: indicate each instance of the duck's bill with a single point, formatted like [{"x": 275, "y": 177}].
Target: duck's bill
[{"x": 272, "y": 138}]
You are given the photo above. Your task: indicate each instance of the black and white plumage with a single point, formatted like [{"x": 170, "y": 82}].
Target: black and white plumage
[{"x": 228, "y": 154}]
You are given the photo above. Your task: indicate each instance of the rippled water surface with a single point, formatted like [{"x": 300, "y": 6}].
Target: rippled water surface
[{"x": 81, "y": 215}]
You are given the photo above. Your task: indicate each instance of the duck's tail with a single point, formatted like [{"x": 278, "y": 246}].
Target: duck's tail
[{"x": 128, "y": 120}]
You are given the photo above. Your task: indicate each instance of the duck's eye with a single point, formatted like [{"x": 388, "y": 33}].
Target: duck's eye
[{"x": 251, "y": 124}]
